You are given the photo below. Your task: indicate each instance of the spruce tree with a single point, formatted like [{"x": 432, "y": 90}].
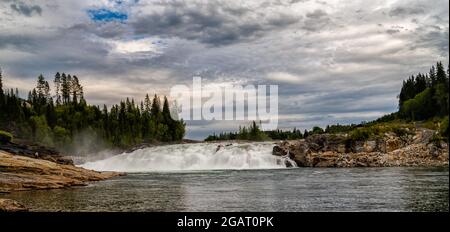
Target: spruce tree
[
  {"x": 440, "y": 74},
  {"x": 156, "y": 106},
  {"x": 166, "y": 110},
  {"x": 147, "y": 103}
]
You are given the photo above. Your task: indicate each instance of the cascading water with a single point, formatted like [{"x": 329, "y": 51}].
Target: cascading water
[{"x": 199, "y": 156}]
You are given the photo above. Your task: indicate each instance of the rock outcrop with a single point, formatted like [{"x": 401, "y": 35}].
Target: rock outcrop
[
  {"x": 8, "y": 205},
  {"x": 19, "y": 173},
  {"x": 28, "y": 149},
  {"x": 329, "y": 150}
]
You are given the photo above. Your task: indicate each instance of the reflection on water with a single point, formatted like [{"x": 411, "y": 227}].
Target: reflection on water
[{"x": 300, "y": 189}]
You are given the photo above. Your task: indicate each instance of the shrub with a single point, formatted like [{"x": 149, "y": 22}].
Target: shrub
[
  {"x": 317, "y": 130},
  {"x": 360, "y": 134},
  {"x": 5, "y": 137},
  {"x": 400, "y": 131},
  {"x": 437, "y": 140},
  {"x": 61, "y": 135},
  {"x": 444, "y": 128}
]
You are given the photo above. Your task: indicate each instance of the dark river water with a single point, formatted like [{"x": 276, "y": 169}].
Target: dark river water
[{"x": 297, "y": 189}]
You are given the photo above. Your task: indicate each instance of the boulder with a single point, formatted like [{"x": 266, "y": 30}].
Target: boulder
[
  {"x": 297, "y": 151},
  {"x": 278, "y": 151},
  {"x": 370, "y": 146},
  {"x": 393, "y": 144},
  {"x": 327, "y": 142}
]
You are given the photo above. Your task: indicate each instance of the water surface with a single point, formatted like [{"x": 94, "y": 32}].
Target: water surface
[{"x": 296, "y": 189}]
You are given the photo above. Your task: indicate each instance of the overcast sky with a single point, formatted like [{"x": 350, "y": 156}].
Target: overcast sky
[{"x": 334, "y": 61}]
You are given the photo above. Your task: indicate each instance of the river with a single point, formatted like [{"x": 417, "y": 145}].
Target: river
[{"x": 243, "y": 177}]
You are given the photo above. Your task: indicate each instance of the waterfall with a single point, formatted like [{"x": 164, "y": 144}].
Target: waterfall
[{"x": 198, "y": 156}]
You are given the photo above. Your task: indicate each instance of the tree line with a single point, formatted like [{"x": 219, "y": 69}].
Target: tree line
[
  {"x": 64, "y": 117},
  {"x": 425, "y": 96},
  {"x": 254, "y": 133},
  {"x": 422, "y": 97}
]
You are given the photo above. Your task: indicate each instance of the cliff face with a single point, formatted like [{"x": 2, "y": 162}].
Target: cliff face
[{"x": 327, "y": 150}]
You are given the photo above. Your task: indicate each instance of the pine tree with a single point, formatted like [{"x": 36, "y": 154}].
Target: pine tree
[
  {"x": 166, "y": 110},
  {"x": 40, "y": 87},
  {"x": 2, "y": 97},
  {"x": 47, "y": 95},
  {"x": 1, "y": 84},
  {"x": 123, "y": 126},
  {"x": 65, "y": 88},
  {"x": 147, "y": 103},
  {"x": 57, "y": 83},
  {"x": 30, "y": 97},
  {"x": 432, "y": 76},
  {"x": 156, "y": 106},
  {"x": 76, "y": 89},
  {"x": 305, "y": 134},
  {"x": 408, "y": 91},
  {"x": 420, "y": 83},
  {"x": 440, "y": 74}
]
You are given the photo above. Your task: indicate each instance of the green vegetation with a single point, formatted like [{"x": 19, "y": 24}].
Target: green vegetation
[
  {"x": 252, "y": 133},
  {"x": 65, "y": 119},
  {"x": 425, "y": 96},
  {"x": 5, "y": 137},
  {"x": 284, "y": 135},
  {"x": 423, "y": 101},
  {"x": 443, "y": 130},
  {"x": 374, "y": 130}
]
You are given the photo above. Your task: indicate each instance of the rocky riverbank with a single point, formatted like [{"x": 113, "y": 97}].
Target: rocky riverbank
[
  {"x": 20, "y": 173},
  {"x": 337, "y": 150},
  {"x": 29, "y": 149},
  {"x": 8, "y": 205}
]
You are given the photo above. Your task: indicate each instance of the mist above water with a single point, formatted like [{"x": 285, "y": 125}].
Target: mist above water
[{"x": 199, "y": 156}]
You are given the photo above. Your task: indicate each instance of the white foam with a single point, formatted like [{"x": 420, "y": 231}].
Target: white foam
[{"x": 199, "y": 156}]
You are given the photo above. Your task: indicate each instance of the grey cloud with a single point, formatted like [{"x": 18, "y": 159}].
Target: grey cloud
[
  {"x": 316, "y": 21},
  {"x": 210, "y": 24},
  {"x": 25, "y": 9},
  {"x": 392, "y": 31},
  {"x": 405, "y": 11},
  {"x": 103, "y": 29},
  {"x": 358, "y": 76},
  {"x": 19, "y": 41},
  {"x": 317, "y": 14},
  {"x": 436, "y": 39}
]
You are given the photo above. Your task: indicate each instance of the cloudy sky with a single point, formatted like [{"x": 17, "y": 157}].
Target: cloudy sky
[{"x": 334, "y": 61}]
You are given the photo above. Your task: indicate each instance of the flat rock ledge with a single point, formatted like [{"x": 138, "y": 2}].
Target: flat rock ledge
[
  {"x": 29, "y": 149},
  {"x": 19, "y": 173},
  {"x": 330, "y": 150},
  {"x": 8, "y": 205}
]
